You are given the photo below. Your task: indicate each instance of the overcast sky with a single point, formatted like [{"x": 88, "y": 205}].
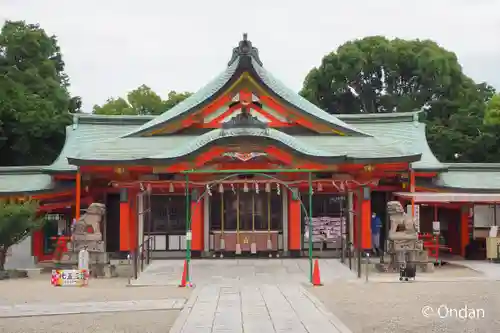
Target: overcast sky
[{"x": 113, "y": 46}]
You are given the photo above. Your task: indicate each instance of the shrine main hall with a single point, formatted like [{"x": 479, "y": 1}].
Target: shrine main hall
[{"x": 240, "y": 166}]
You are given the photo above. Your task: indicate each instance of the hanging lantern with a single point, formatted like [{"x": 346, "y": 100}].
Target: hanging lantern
[
  {"x": 268, "y": 187},
  {"x": 320, "y": 187},
  {"x": 245, "y": 187},
  {"x": 171, "y": 188},
  {"x": 257, "y": 188},
  {"x": 221, "y": 188},
  {"x": 233, "y": 189},
  {"x": 278, "y": 188},
  {"x": 209, "y": 192}
]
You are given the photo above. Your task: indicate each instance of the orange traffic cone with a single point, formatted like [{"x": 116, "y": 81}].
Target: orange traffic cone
[
  {"x": 316, "y": 279},
  {"x": 184, "y": 275}
]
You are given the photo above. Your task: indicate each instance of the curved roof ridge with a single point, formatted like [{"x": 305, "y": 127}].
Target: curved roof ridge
[
  {"x": 300, "y": 102},
  {"x": 473, "y": 166},
  {"x": 431, "y": 162},
  {"x": 271, "y": 133},
  {"x": 371, "y": 117},
  {"x": 192, "y": 101}
]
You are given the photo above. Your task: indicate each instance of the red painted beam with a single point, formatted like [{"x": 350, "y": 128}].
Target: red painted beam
[
  {"x": 269, "y": 101},
  {"x": 216, "y": 121}
]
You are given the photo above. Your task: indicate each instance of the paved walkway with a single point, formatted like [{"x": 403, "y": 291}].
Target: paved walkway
[
  {"x": 48, "y": 309},
  {"x": 490, "y": 270},
  {"x": 250, "y": 295},
  {"x": 242, "y": 271},
  {"x": 264, "y": 308}
]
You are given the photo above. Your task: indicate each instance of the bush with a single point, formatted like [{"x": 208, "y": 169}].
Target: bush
[{"x": 17, "y": 221}]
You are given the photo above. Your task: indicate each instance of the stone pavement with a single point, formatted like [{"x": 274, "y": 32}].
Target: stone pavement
[
  {"x": 242, "y": 271},
  {"x": 490, "y": 270},
  {"x": 265, "y": 308},
  {"x": 48, "y": 309}
]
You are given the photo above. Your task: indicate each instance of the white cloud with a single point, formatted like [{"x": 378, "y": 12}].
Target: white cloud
[{"x": 113, "y": 46}]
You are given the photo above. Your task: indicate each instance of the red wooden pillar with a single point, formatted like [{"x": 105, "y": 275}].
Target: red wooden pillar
[
  {"x": 366, "y": 225},
  {"x": 464, "y": 229},
  {"x": 294, "y": 222},
  {"x": 355, "y": 208},
  {"x": 125, "y": 235},
  {"x": 362, "y": 219},
  {"x": 37, "y": 245},
  {"x": 133, "y": 227},
  {"x": 78, "y": 194},
  {"x": 197, "y": 225}
]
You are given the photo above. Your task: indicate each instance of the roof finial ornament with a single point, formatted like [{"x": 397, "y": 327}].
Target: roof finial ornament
[{"x": 245, "y": 51}]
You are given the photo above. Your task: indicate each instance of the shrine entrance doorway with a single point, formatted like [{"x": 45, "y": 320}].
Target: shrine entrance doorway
[{"x": 247, "y": 219}]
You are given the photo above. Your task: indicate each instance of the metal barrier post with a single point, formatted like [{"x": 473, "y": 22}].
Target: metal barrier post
[
  {"x": 129, "y": 264},
  {"x": 147, "y": 251},
  {"x": 141, "y": 253},
  {"x": 349, "y": 249},
  {"x": 134, "y": 263},
  {"x": 367, "y": 264}
]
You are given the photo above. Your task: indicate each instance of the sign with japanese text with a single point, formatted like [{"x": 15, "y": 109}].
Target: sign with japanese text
[{"x": 70, "y": 277}]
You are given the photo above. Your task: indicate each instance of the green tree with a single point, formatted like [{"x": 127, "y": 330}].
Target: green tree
[
  {"x": 141, "y": 101},
  {"x": 17, "y": 221},
  {"x": 114, "y": 106},
  {"x": 492, "y": 116},
  {"x": 34, "y": 97},
  {"x": 375, "y": 74},
  {"x": 174, "y": 98}
]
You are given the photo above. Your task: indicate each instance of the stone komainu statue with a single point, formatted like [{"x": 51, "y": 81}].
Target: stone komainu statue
[
  {"x": 87, "y": 230},
  {"x": 403, "y": 232},
  {"x": 403, "y": 238}
]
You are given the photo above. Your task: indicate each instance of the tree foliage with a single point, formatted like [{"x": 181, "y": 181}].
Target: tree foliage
[
  {"x": 141, "y": 101},
  {"x": 17, "y": 221},
  {"x": 378, "y": 75},
  {"x": 34, "y": 97},
  {"x": 492, "y": 116}
]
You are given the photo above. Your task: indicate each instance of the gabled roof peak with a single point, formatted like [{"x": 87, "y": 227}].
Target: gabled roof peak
[{"x": 245, "y": 50}]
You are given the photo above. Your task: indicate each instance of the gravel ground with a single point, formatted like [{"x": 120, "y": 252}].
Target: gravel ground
[
  {"x": 138, "y": 322},
  {"x": 39, "y": 290},
  {"x": 398, "y": 307}
]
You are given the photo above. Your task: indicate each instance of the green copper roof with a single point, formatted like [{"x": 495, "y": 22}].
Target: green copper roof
[
  {"x": 471, "y": 176},
  {"x": 301, "y": 103},
  {"x": 403, "y": 128},
  {"x": 24, "y": 180},
  {"x": 93, "y": 129},
  {"x": 245, "y": 59},
  {"x": 193, "y": 101},
  {"x": 163, "y": 148},
  {"x": 398, "y": 133}
]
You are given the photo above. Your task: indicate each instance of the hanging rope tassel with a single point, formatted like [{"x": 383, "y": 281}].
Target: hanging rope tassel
[
  {"x": 269, "y": 241},
  {"x": 253, "y": 246}
]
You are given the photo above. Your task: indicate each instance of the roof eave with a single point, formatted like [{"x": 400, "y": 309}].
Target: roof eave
[
  {"x": 388, "y": 159},
  {"x": 430, "y": 169}
]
